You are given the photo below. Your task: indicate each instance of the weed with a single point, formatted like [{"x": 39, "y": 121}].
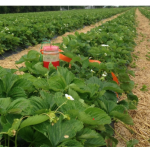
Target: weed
[
  {"x": 147, "y": 57},
  {"x": 135, "y": 56},
  {"x": 133, "y": 65},
  {"x": 135, "y": 86},
  {"x": 144, "y": 88}
]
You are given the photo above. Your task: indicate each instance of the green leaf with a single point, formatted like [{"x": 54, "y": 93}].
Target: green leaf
[
  {"x": 51, "y": 69},
  {"x": 123, "y": 117},
  {"x": 29, "y": 77},
  {"x": 33, "y": 56},
  {"x": 111, "y": 141},
  {"x": 36, "y": 138},
  {"x": 85, "y": 63},
  {"x": 100, "y": 117},
  {"x": 40, "y": 69},
  {"x": 92, "y": 88},
  {"x": 41, "y": 84},
  {"x": 110, "y": 65},
  {"x": 76, "y": 59},
  {"x": 17, "y": 106},
  {"x": 78, "y": 89},
  {"x": 133, "y": 97},
  {"x": 66, "y": 40},
  {"x": 74, "y": 94},
  {"x": 1, "y": 88},
  {"x": 95, "y": 142},
  {"x": 49, "y": 98},
  {"x": 112, "y": 86},
  {"x": 57, "y": 83},
  {"x": 131, "y": 143},
  {"x": 9, "y": 80},
  {"x": 94, "y": 64},
  {"x": 94, "y": 80},
  {"x": 120, "y": 109},
  {"x": 6, "y": 127},
  {"x": 107, "y": 105},
  {"x": 21, "y": 60},
  {"x": 127, "y": 86},
  {"x": 4, "y": 103},
  {"x": 27, "y": 133},
  {"x": 29, "y": 66},
  {"x": 131, "y": 73},
  {"x": 17, "y": 92},
  {"x": 123, "y": 77},
  {"x": 36, "y": 104},
  {"x": 67, "y": 75},
  {"x": 78, "y": 82},
  {"x": 124, "y": 103},
  {"x": 33, "y": 120},
  {"x": 24, "y": 84},
  {"x": 87, "y": 133},
  {"x": 60, "y": 130},
  {"x": 71, "y": 143},
  {"x": 2, "y": 71}
]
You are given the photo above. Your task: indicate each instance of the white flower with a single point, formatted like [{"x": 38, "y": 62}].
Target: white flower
[
  {"x": 92, "y": 71},
  {"x": 66, "y": 136},
  {"x": 6, "y": 28},
  {"x": 104, "y": 45},
  {"x": 105, "y": 54},
  {"x": 69, "y": 97},
  {"x": 100, "y": 29},
  {"x": 8, "y": 32},
  {"x": 90, "y": 57},
  {"x": 104, "y": 74}
]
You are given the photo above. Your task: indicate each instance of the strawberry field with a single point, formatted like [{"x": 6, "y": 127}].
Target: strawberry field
[
  {"x": 30, "y": 28},
  {"x": 77, "y": 103}
]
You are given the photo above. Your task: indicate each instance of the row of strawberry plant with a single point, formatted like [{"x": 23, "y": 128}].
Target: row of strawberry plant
[
  {"x": 68, "y": 106},
  {"x": 145, "y": 12},
  {"x": 111, "y": 43},
  {"x": 30, "y": 28}
]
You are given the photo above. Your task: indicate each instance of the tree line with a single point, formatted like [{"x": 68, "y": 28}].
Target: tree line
[{"x": 23, "y": 9}]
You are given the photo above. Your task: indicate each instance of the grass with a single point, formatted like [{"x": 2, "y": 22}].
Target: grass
[
  {"x": 144, "y": 88},
  {"x": 133, "y": 65}
]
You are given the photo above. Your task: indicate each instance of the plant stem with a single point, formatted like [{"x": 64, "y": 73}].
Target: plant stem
[
  {"x": 8, "y": 140},
  {"x": 5, "y": 140},
  {"x": 60, "y": 112},
  {"x": 16, "y": 139},
  {"x": 60, "y": 106}
]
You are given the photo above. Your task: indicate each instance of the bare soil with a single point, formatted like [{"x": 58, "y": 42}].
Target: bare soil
[{"x": 141, "y": 116}]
